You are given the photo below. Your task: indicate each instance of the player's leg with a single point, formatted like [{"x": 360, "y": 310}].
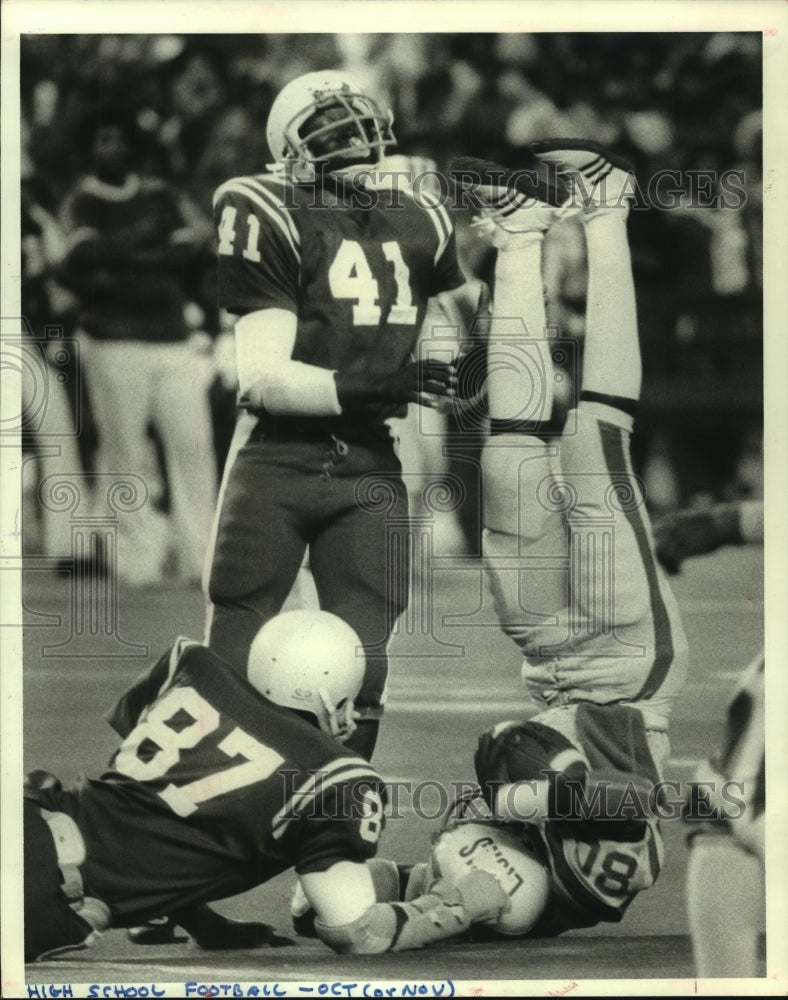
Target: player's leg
[
  {"x": 182, "y": 415},
  {"x": 57, "y": 457},
  {"x": 725, "y": 883},
  {"x": 119, "y": 383},
  {"x": 360, "y": 561},
  {"x": 258, "y": 543},
  {"x": 50, "y": 923},
  {"x": 725, "y": 907},
  {"x": 523, "y": 539},
  {"x": 619, "y": 600}
]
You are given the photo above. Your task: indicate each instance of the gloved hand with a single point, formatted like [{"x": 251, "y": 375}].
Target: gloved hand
[
  {"x": 423, "y": 382},
  {"x": 241, "y": 934},
  {"x": 472, "y": 361},
  {"x": 682, "y": 534},
  {"x": 210, "y": 931},
  {"x": 491, "y": 759}
]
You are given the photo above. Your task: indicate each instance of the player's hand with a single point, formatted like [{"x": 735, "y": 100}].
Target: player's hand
[
  {"x": 242, "y": 934},
  {"x": 472, "y": 361},
  {"x": 490, "y": 759},
  {"x": 424, "y": 382},
  {"x": 683, "y": 534},
  {"x": 212, "y": 931}
]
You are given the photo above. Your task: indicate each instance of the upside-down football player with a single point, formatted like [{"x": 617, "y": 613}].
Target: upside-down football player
[
  {"x": 570, "y": 560},
  {"x": 222, "y": 782},
  {"x": 567, "y": 812}
]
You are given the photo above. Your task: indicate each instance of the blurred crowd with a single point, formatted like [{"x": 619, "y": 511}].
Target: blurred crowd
[{"x": 677, "y": 102}]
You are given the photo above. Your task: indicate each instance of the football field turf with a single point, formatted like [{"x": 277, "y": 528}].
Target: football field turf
[{"x": 452, "y": 674}]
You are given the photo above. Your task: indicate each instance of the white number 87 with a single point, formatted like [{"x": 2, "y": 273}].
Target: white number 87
[
  {"x": 370, "y": 824},
  {"x": 260, "y": 760}
]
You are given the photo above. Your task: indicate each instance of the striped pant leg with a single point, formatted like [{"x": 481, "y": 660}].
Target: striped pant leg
[{"x": 619, "y": 599}]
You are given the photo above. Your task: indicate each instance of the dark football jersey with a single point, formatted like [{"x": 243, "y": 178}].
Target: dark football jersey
[
  {"x": 215, "y": 790},
  {"x": 356, "y": 268}
]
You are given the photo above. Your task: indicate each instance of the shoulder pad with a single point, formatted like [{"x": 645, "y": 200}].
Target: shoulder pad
[{"x": 264, "y": 196}]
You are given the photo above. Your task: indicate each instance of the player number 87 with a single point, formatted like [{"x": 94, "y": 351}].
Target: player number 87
[{"x": 260, "y": 760}]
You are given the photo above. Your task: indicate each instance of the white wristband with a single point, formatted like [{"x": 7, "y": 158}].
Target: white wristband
[{"x": 296, "y": 390}]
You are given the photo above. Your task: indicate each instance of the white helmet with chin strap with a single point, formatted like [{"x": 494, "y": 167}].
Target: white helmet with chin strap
[
  {"x": 312, "y": 661},
  {"x": 348, "y": 125}
]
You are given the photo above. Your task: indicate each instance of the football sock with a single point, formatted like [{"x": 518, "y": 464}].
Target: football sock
[
  {"x": 611, "y": 361},
  {"x": 725, "y": 907},
  {"x": 520, "y": 372}
]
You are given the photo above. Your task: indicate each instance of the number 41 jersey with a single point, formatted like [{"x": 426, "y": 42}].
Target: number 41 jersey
[
  {"x": 356, "y": 265},
  {"x": 215, "y": 790}
]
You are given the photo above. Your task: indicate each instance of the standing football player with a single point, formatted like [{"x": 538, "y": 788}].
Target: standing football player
[
  {"x": 329, "y": 277},
  {"x": 570, "y": 559},
  {"x": 725, "y": 874},
  {"x": 221, "y": 783}
]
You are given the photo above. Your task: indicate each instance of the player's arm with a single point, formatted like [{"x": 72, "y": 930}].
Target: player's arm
[
  {"x": 126, "y": 712},
  {"x": 270, "y": 379},
  {"x": 190, "y": 234},
  {"x": 688, "y": 533},
  {"x": 472, "y": 360},
  {"x": 356, "y": 908},
  {"x": 350, "y": 920}
]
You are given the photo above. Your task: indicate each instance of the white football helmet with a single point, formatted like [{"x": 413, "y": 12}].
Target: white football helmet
[
  {"x": 348, "y": 125},
  {"x": 499, "y": 850},
  {"x": 312, "y": 661}
]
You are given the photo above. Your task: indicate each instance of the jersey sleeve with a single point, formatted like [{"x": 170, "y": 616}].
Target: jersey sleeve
[
  {"x": 448, "y": 273},
  {"x": 338, "y": 816},
  {"x": 259, "y": 255},
  {"x": 125, "y": 713}
]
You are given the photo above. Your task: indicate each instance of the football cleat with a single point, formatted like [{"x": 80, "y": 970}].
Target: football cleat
[
  {"x": 159, "y": 930},
  {"x": 600, "y": 181},
  {"x": 512, "y": 205}
]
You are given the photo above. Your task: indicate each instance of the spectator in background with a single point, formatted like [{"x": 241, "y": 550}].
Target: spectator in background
[
  {"x": 49, "y": 433},
  {"x": 131, "y": 243}
]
